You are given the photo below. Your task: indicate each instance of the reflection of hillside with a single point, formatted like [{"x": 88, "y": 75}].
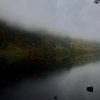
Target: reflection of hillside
[{"x": 82, "y": 58}]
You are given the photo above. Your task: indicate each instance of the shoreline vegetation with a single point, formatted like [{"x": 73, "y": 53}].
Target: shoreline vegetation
[
  {"x": 16, "y": 45},
  {"x": 19, "y": 48}
]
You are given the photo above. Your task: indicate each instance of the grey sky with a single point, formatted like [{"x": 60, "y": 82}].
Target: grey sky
[{"x": 78, "y": 18}]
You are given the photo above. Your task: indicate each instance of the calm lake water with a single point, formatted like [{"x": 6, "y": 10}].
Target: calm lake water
[{"x": 60, "y": 85}]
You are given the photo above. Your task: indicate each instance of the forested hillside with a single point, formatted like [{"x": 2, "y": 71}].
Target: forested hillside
[{"x": 17, "y": 46}]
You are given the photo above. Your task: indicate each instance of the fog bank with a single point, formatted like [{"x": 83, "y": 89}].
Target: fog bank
[{"x": 76, "y": 18}]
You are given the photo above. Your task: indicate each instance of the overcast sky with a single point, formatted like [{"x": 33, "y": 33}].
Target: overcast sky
[{"x": 78, "y": 18}]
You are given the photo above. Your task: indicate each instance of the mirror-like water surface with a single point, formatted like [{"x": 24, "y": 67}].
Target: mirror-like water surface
[{"x": 65, "y": 85}]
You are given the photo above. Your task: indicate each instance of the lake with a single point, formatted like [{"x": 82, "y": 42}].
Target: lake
[{"x": 64, "y": 84}]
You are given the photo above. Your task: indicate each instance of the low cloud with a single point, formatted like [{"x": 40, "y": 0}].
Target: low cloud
[{"x": 76, "y": 18}]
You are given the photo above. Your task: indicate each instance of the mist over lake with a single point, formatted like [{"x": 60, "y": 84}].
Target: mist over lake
[{"x": 49, "y": 50}]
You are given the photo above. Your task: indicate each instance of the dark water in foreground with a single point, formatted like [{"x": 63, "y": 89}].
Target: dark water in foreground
[{"x": 67, "y": 84}]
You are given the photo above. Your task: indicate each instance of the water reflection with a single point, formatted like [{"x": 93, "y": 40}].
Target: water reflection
[
  {"x": 64, "y": 84},
  {"x": 17, "y": 71}
]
